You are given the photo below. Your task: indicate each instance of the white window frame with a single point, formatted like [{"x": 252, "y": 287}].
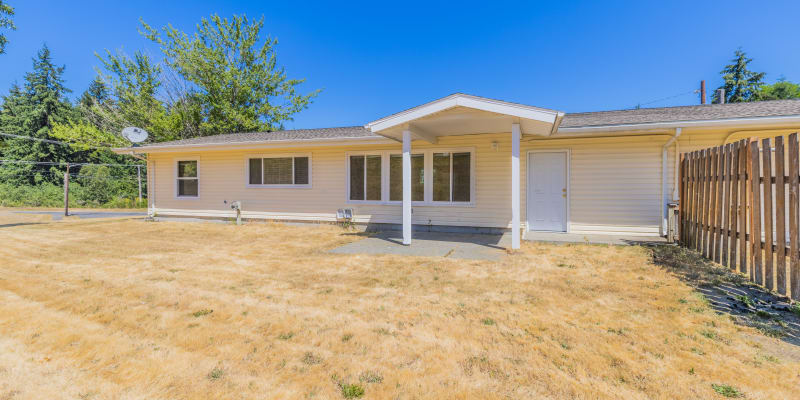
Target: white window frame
[
  {"x": 384, "y": 176},
  {"x": 176, "y": 178},
  {"x": 428, "y": 176},
  {"x": 471, "y": 178},
  {"x": 247, "y": 183}
]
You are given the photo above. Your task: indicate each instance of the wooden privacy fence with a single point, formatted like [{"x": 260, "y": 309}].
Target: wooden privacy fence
[{"x": 733, "y": 209}]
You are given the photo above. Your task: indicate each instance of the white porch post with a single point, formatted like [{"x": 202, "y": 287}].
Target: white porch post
[
  {"x": 406, "y": 187},
  {"x": 515, "y": 230}
]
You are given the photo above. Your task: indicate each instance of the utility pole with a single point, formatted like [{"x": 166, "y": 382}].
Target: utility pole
[
  {"x": 139, "y": 176},
  {"x": 66, "y": 192},
  {"x": 703, "y": 92}
]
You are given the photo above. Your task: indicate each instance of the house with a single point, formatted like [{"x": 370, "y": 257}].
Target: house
[{"x": 462, "y": 163}]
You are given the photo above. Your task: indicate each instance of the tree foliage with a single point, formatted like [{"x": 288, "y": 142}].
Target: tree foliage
[
  {"x": 6, "y": 12},
  {"x": 741, "y": 84},
  {"x": 780, "y": 90},
  {"x": 222, "y": 79},
  {"x": 33, "y": 110},
  {"x": 232, "y": 74}
]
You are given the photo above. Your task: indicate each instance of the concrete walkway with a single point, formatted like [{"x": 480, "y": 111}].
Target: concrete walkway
[
  {"x": 431, "y": 244},
  {"x": 555, "y": 237}
]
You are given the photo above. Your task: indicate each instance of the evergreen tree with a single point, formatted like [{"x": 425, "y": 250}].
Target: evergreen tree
[
  {"x": 741, "y": 84},
  {"x": 6, "y": 12},
  {"x": 32, "y": 111},
  {"x": 97, "y": 93}
]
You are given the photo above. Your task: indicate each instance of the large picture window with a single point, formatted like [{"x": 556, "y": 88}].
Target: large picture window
[
  {"x": 187, "y": 179},
  {"x": 279, "y": 171},
  {"x": 437, "y": 177}
]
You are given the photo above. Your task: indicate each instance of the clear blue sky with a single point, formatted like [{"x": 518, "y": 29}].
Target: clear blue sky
[{"x": 372, "y": 60}]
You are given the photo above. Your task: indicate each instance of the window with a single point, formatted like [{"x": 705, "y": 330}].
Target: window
[
  {"x": 365, "y": 177},
  {"x": 451, "y": 177},
  {"x": 417, "y": 177},
  {"x": 272, "y": 171},
  {"x": 187, "y": 178},
  {"x": 437, "y": 177}
]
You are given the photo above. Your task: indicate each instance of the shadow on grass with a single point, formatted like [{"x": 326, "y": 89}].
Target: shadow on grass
[
  {"x": 732, "y": 293},
  {"x": 22, "y": 224}
]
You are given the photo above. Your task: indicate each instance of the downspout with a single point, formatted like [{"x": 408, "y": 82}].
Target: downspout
[{"x": 665, "y": 180}]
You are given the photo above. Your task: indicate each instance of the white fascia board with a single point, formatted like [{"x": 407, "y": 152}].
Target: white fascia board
[
  {"x": 462, "y": 100},
  {"x": 791, "y": 119},
  {"x": 254, "y": 145}
]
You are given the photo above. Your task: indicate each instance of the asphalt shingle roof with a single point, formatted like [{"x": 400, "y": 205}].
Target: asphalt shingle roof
[
  {"x": 571, "y": 120},
  {"x": 296, "y": 134},
  {"x": 683, "y": 113}
]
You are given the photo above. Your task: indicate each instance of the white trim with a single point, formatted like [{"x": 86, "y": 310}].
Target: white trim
[
  {"x": 790, "y": 119},
  {"x": 176, "y": 178},
  {"x": 568, "y": 152},
  {"x": 464, "y": 100},
  {"x": 249, "y": 185}
]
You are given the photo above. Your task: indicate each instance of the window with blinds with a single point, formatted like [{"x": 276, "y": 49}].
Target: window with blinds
[{"x": 279, "y": 171}]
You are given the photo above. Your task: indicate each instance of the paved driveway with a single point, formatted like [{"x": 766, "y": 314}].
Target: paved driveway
[{"x": 57, "y": 215}]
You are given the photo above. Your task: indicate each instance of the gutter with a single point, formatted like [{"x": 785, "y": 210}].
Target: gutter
[{"x": 664, "y": 188}]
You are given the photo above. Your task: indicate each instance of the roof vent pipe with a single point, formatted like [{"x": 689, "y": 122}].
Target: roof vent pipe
[{"x": 720, "y": 96}]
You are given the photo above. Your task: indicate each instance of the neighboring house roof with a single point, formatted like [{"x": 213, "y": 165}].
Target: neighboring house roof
[
  {"x": 682, "y": 113},
  {"x": 572, "y": 122}
]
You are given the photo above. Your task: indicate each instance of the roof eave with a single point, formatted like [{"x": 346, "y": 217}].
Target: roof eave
[{"x": 251, "y": 144}]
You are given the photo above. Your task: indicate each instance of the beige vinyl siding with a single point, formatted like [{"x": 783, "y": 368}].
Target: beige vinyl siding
[
  {"x": 614, "y": 185},
  {"x": 615, "y": 182}
]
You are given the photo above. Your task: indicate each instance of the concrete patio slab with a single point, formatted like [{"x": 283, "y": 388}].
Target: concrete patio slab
[
  {"x": 559, "y": 237},
  {"x": 431, "y": 244}
]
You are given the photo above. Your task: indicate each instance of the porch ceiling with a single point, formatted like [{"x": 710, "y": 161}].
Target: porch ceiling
[{"x": 461, "y": 114}]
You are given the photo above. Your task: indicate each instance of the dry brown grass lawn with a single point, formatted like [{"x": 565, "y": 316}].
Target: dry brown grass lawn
[{"x": 126, "y": 309}]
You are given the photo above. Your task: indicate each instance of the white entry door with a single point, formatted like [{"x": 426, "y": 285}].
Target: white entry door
[{"x": 547, "y": 191}]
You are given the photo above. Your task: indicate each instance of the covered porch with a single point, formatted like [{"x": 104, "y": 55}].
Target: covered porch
[{"x": 461, "y": 114}]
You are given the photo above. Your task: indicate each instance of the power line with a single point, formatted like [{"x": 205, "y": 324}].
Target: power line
[
  {"x": 51, "y": 141},
  {"x": 58, "y": 163},
  {"x": 666, "y": 98}
]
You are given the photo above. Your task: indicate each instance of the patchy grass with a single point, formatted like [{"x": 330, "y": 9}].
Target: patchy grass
[
  {"x": 108, "y": 308},
  {"x": 727, "y": 390}
]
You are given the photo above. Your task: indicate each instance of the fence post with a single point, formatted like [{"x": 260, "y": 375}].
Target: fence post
[
  {"x": 66, "y": 192},
  {"x": 139, "y": 178}
]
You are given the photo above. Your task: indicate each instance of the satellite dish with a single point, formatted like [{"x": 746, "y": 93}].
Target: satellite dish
[{"x": 135, "y": 135}]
